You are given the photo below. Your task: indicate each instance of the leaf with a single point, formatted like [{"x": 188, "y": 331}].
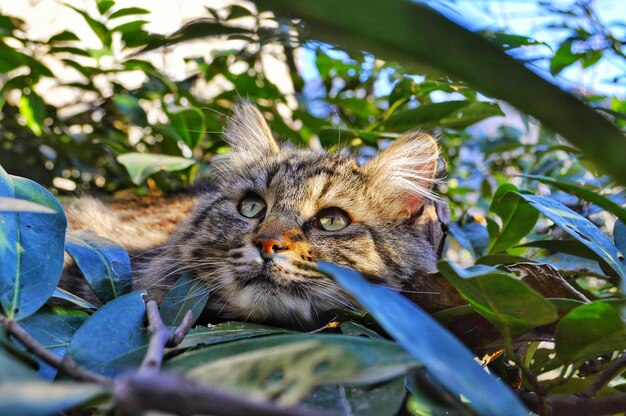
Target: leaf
[
  {"x": 112, "y": 340},
  {"x": 518, "y": 219},
  {"x": 104, "y": 263},
  {"x": 64, "y": 36},
  {"x": 472, "y": 236},
  {"x": 70, "y": 297},
  {"x": 188, "y": 125},
  {"x": 619, "y": 238},
  {"x": 455, "y": 114},
  {"x": 446, "y": 359},
  {"x": 235, "y": 11},
  {"x": 128, "y": 11},
  {"x": 413, "y": 34},
  {"x": 511, "y": 306},
  {"x": 30, "y": 398},
  {"x": 100, "y": 30},
  {"x": 583, "y": 193},
  {"x": 105, "y": 5},
  {"x": 578, "y": 227},
  {"x": 225, "y": 332},
  {"x": 31, "y": 248},
  {"x": 53, "y": 327},
  {"x": 33, "y": 109},
  {"x": 20, "y": 205},
  {"x": 290, "y": 366},
  {"x": 187, "y": 294},
  {"x": 591, "y": 330},
  {"x": 196, "y": 29},
  {"x": 12, "y": 59},
  {"x": 142, "y": 165},
  {"x": 12, "y": 370},
  {"x": 563, "y": 57},
  {"x": 129, "y": 106}
]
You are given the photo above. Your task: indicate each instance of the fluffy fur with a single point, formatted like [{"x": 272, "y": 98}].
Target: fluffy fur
[{"x": 393, "y": 234}]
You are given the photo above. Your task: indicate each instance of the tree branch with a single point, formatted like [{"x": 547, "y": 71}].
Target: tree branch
[
  {"x": 574, "y": 404},
  {"x": 617, "y": 367},
  {"x": 66, "y": 365}
]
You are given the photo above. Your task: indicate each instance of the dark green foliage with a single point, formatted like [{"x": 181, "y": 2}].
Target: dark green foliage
[{"x": 523, "y": 201}]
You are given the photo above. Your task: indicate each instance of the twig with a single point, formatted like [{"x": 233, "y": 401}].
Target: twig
[
  {"x": 574, "y": 404},
  {"x": 174, "y": 394},
  {"x": 66, "y": 365},
  {"x": 160, "y": 337},
  {"x": 617, "y": 367}
]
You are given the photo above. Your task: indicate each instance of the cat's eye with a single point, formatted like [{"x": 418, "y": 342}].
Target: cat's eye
[
  {"x": 251, "y": 206},
  {"x": 332, "y": 219}
]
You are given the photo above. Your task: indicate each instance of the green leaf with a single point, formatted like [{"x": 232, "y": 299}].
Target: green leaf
[
  {"x": 578, "y": 227},
  {"x": 100, "y": 30},
  {"x": 446, "y": 359},
  {"x": 20, "y": 205},
  {"x": 518, "y": 219},
  {"x": 619, "y": 238},
  {"x": 129, "y": 106},
  {"x": 413, "y": 34},
  {"x": 128, "y": 11},
  {"x": 105, "y": 5},
  {"x": 12, "y": 59},
  {"x": 187, "y": 294},
  {"x": 591, "y": 330},
  {"x": 583, "y": 193},
  {"x": 225, "y": 332},
  {"x": 33, "y": 109},
  {"x": 472, "y": 236},
  {"x": 12, "y": 370},
  {"x": 64, "y": 36},
  {"x": 197, "y": 29},
  {"x": 53, "y": 327},
  {"x": 30, "y": 398},
  {"x": 142, "y": 165},
  {"x": 104, "y": 263},
  {"x": 563, "y": 57},
  {"x": 188, "y": 125},
  {"x": 511, "y": 306},
  {"x": 31, "y": 248},
  {"x": 235, "y": 11},
  {"x": 112, "y": 340},
  {"x": 291, "y": 366},
  {"x": 455, "y": 114}
]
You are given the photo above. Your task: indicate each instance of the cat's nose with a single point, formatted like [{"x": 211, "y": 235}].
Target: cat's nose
[{"x": 268, "y": 247}]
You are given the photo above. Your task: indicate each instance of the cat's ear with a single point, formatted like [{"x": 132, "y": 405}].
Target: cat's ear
[
  {"x": 247, "y": 131},
  {"x": 402, "y": 176}
]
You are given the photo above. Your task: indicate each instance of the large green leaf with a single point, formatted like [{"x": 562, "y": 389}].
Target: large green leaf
[
  {"x": 511, "y": 306},
  {"x": 38, "y": 398},
  {"x": 20, "y": 205},
  {"x": 112, "y": 340},
  {"x": 142, "y": 165},
  {"x": 444, "y": 356},
  {"x": 33, "y": 109},
  {"x": 53, "y": 327},
  {"x": 12, "y": 370},
  {"x": 104, "y": 263},
  {"x": 457, "y": 114},
  {"x": 187, "y": 294},
  {"x": 291, "y": 366},
  {"x": 98, "y": 28},
  {"x": 619, "y": 238},
  {"x": 518, "y": 219},
  {"x": 583, "y": 193},
  {"x": 412, "y": 34},
  {"x": 128, "y": 11},
  {"x": 591, "y": 330},
  {"x": 578, "y": 227},
  {"x": 31, "y": 248},
  {"x": 189, "y": 125}
]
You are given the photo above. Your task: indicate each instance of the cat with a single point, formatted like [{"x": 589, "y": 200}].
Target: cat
[{"x": 252, "y": 235}]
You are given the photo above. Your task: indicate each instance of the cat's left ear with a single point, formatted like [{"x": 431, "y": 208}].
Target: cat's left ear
[
  {"x": 403, "y": 175},
  {"x": 247, "y": 132}
]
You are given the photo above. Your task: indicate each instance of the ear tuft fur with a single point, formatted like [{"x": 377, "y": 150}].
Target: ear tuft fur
[
  {"x": 403, "y": 175},
  {"x": 247, "y": 132}
]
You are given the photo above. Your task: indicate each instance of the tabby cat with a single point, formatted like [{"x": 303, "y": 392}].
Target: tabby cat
[{"x": 269, "y": 212}]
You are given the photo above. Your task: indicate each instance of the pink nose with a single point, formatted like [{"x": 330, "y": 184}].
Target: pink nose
[{"x": 268, "y": 247}]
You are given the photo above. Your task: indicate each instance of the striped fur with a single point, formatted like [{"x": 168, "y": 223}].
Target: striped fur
[{"x": 393, "y": 234}]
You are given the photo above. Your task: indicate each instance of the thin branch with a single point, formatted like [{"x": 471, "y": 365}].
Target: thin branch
[
  {"x": 65, "y": 365},
  {"x": 177, "y": 336},
  {"x": 574, "y": 404},
  {"x": 159, "y": 337},
  {"x": 617, "y": 367},
  {"x": 174, "y": 394}
]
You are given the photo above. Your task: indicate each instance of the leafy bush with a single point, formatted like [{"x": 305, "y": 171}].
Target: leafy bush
[{"x": 533, "y": 273}]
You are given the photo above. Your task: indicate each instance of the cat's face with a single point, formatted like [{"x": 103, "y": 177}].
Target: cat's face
[{"x": 255, "y": 238}]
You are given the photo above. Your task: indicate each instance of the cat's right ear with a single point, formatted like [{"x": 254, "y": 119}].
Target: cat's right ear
[{"x": 247, "y": 132}]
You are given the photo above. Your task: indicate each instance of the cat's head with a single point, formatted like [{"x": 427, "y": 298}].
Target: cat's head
[{"x": 275, "y": 211}]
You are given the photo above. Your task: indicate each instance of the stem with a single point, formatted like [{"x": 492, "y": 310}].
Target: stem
[
  {"x": 528, "y": 374},
  {"x": 617, "y": 367},
  {"x": 65, "y": 365}
]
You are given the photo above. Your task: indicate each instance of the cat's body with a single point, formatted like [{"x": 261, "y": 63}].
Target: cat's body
[{"x": 270, "y": 213}]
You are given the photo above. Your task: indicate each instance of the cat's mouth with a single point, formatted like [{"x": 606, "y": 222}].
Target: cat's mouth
[{"x": 270, "y": 274}]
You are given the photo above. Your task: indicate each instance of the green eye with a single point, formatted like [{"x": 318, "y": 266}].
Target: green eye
[
  {"x": 251, "y": 206},
  {"x": 332, "y": 219}
]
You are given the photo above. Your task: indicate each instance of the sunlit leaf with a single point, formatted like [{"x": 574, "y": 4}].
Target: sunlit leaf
[
  {"x": 518, "y": 219},
  {"x": 128, "y": 11},
  {"x": 187, "y": 294},
  {"x": 226, "y": 332},
  {"x": 33, "y": 109},
  {"x": 76, "y": 300},
  {"x": 141, "y": 165}
]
